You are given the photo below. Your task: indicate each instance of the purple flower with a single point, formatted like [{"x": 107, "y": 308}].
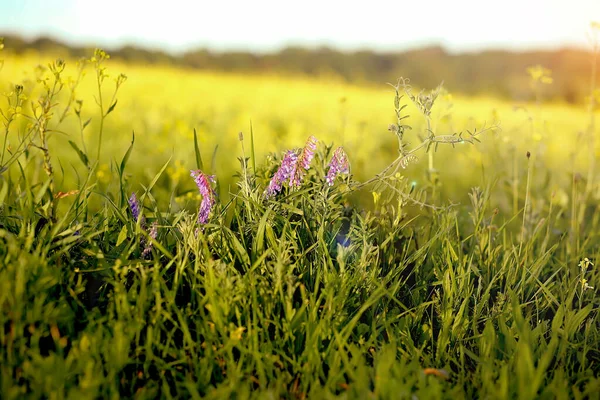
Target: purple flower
[
  {"x": 134, "y": 206},
  {"x": 288, "y": 166},
  {"x": 152, "y": 234},
  {"x": 292, "y": 168},
  {"x": 203, "y": 182},
  {"x": 308, "y": 152},
  {"x": 304, "y": 161},
  {"x": 338, "y": 165}
]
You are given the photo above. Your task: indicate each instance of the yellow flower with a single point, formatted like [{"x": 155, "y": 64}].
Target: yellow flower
[
  {"x": 177, "y": 171},
  {"x": 376, "y": 197},
  {"x": 540, "y": 74},
  {"x": 103, "y": 174},
  {"x": 237, "y": 334}
]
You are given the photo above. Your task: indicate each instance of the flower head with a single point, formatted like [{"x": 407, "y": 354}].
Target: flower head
[
  {"x": 152, "y": 234},
  {"x": 303, "y": 164},
  {"x": 203, "y": 182},
  {"x": 134, "y": 206},
  {"x": 338, "y": 165},
  {"x": 288, "y": 166},
  {"x": 293, "y": 167},
  {"x": 308, "y": 153}
]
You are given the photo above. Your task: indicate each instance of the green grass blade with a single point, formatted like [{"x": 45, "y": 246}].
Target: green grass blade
[{"x": 199, "y": 164}]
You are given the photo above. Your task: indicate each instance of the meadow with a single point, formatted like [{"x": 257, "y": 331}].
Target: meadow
[{"x": 453, "y": 257}]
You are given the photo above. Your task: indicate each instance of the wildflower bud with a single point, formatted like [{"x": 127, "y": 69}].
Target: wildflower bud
[
  {"x": 338, "y": 165},
  {"x": 288, "y": 165},
  {"x": 152, "y": 234},
  {"x": 241, "y": 136},
  {"x": 18, "y": 89},
  {"x": 203, "y": 182},
  {"x": 134, "y": 206},
  {"x": 528, "y": 155},
  {"x": 304, "y": 161}
]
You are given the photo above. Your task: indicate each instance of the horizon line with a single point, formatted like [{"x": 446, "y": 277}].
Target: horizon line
[{"x": 157, "y": 47}]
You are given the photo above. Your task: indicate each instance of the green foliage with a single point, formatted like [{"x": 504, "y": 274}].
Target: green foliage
[{"x": 297, "y": 296}]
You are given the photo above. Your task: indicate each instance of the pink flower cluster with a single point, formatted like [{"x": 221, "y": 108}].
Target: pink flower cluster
[
  {"x": 134, "y": 206},
  {"x": 204, "y": 183},
  {"x": 152, "y": 234},
  {"x": 288, "y": 165},
  {"x": 338, "y": 165},
  {"x": 293, "y": 168},
  {"x": 292, "y": 171}
]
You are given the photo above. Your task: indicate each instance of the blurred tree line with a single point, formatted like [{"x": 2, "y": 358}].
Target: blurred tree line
[{"x": 495, "y": 72}]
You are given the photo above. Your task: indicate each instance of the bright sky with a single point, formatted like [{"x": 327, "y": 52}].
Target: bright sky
[{"x": 267, "y": 25}]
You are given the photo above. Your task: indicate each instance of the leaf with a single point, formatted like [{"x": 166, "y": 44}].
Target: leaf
[
  {"x": 252, "y": 149},
  {"x": 86, "y": 123},
  {"x": 3, "y": 193},
  {"x": 259, "y": 240},
  {"x": 153, "y": 182},
  {"x": 42, "y": 191},
  {"x": 197, "y": 150},
  {"x": 111, "y": 108},
  {"x": 122, "y": 235},
  {"x": 82, "y": 156},
  {"x": 122, "y": 167},
  {"x": 213, "y": 162}
]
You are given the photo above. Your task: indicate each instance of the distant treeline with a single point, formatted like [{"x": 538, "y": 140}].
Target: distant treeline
[{"x": 498, "y": 73}]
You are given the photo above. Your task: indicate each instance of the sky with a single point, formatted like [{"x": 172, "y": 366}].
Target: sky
[{"x": 269, "y": 25}]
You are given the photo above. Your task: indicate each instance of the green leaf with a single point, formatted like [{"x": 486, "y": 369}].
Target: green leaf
[
  {"x": 153, "y": 182},
  {"x": 122, "y": 235},
  {"x": 122, "y": 168},
  {"x": 252, "y": 149},
  {"x": 259, "y": 240},
  {"x": 111, "y": 108},
  {"x": 82, "y": 156},
  {"x": 197, "y": 150},
  {"x": 3, "y": 193},
  {"x": 213, "y": 162},
  {"x": 42, "y": 191}
]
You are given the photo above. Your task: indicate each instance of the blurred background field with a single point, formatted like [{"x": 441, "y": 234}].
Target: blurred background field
[{"x": 163, "y": 104}]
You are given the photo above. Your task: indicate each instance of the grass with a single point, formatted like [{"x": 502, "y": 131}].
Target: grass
[{"x": 350, "y": 291}]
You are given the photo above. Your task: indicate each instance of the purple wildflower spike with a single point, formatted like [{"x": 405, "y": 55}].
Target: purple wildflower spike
[
  {"x": 134, "y": 206},
  {"x": 203, "y": 182},
  {"x": 152, "y": 234},
  {"x": 304, "y": 161},
  {"x": 338, "y": 165},
  {"x": 308, "y": 152},
  {"x": 288, "y": 166}
]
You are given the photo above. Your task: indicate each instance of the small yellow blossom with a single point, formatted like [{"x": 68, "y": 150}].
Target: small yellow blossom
[
  {"x": 376, "y": 197},
  {"x": 540, "y": 74},
  {"x": 237, "y": 334},
  {"x": 177, "y": 171},
  {"x": 103, "y": 173}
]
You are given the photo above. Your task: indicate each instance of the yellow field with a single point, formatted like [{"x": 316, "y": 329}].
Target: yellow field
[{"x": 163, "y": 105}]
